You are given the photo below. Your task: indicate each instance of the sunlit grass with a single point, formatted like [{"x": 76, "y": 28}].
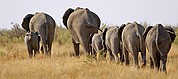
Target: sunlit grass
[{"x": 14, "y": 63}]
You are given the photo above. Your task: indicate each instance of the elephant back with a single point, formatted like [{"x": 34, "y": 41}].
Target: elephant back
[
  {"x": 171, "y": 33},
  {"x": 87, "y": 17},
  {"x": 163, "y": 39},
  {"x": 41, "y": 20}
]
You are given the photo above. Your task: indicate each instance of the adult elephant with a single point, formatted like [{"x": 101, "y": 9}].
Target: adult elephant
[
  {"x": 45, "y": 25},
  {"x": 113, "y": 42},
  {"x": 133, "y": 42},
  {"x": 81, "y": 22},
  {"x": 158, "y": 42}
]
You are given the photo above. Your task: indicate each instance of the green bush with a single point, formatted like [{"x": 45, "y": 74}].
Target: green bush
[
  {"x": 176, "y": 39},
  {"x": 62, "y": 35}
]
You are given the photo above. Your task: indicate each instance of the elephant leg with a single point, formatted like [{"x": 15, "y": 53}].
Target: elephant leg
[
  {"x": 44, "y": 43},
  {"x": 121, "y": 56},
  {"x": 143, "y": 54},
  {"x": 86, "y": 48},
  {"x": 151, "y": 63},
  {"x": 126, "y": 55},
  {"x": 76, "y": 47},
  {"x": 156, "y": 62},
  {"x": 115, "y": 56},
  {"x": 135, "y": 55},
  {"x": 44, "y": 46},
  {"x": 50, "y": 40},
  {"x": 36, "y": 52},
  {"x": 110, "y": 54},
  {"x": 164, "y": 60},
  {"x": 30, "y": 52},
  {"x": 41, "y": 48}
]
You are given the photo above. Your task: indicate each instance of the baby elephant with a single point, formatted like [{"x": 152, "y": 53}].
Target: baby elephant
[
  {"x": 97, "y": 44},
  {"x": 32, "y": 42},
  {"x": 158, "y": 43}
]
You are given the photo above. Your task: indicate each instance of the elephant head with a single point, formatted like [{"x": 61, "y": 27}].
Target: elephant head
[
  {"x": 26, "y": 21},
  {"x": 66, "y": 16}
]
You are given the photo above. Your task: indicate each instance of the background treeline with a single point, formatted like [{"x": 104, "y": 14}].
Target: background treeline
[{"x": 62, "y": 35}]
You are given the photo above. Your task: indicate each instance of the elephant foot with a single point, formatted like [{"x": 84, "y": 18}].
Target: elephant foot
[
  {"x": 48, "y": 54},
  {"x": 143, "y": 65}
]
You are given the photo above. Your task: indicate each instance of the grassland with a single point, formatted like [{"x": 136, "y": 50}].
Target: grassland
[{"x": 14, "y": 63}]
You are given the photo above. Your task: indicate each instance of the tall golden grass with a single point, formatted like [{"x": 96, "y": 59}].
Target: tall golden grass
[
  {"x": 14, "y": 62},
  {"x": 16, "y": 65}
]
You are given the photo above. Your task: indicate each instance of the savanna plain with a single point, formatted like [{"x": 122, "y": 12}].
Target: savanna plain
[{"x": 14, "y": 62}]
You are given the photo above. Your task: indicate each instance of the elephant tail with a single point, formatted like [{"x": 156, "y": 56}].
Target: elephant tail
[
  {"x": 139, "y": 31},
  {"x": 66, "y": 16}
]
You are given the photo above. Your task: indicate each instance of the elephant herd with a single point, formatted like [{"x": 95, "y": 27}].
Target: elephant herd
[{"x": 83, "y": 26}]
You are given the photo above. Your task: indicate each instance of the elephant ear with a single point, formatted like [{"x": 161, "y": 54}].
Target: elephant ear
[
  {"x": 93, "y": 20},
  {"x": 171, "y": 32},
  {"x": 146, "y": 31},
  {"x": 104, "y": 33},
  {"x": 103, "y": 37},
  {"x": 163, "y": 39},
  {"x": 66, "y": 16},
  {"x": 26, "y": 21},
  {"x": 120, "y": 30}
]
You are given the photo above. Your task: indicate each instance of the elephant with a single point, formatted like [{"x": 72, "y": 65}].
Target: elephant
[
  {"x": 158, "y": 42},
  {"x": 45, "y": 25},
  {"x": 32, "y": 43},
  {"x": 81, "y": 23},
  {"x": 133, "y": 42},
  {"x": 97, "y": 43},
  {"x": 113, "y": 42}
]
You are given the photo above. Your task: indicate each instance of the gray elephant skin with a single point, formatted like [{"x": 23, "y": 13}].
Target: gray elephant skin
[
  {"x": 81, "y": 22},
  {"x": 158, "y": 43},
  {"x": 32, "y": 42},
  {"x": 45, "y": 25},
  {"x": 97, "y": 43},
  {"x": 133, "y": 42},
  {"x": 113, "y": 42}
]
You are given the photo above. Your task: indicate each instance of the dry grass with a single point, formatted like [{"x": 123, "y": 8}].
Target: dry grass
[{"x": 16, "y": 65}]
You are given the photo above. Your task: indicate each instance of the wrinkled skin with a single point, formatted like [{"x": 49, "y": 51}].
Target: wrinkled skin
[
  {"x": 81, "y": 23},
  {"x": 32, "y": 42},
  {"x": 158, "y": 42},
  {"x": 113, "y": 42},
  {"x": 133, "y": 42},
  {"x": 97, "y": 43},
  {"x": 44, "y": 25}
]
